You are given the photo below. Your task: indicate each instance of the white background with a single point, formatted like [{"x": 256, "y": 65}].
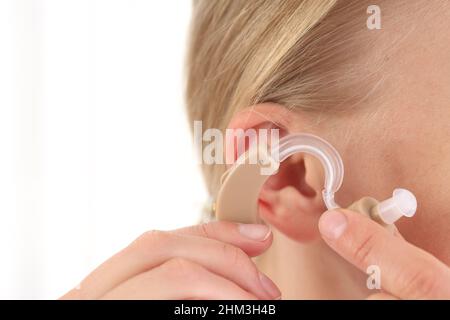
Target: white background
[{"x": 94, "y": 144}]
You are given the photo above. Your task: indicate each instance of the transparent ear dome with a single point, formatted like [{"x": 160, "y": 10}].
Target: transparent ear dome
[{"x": 402, "y": 204}]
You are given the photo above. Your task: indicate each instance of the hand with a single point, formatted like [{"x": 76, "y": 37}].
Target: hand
[
  {"x": 207, "y": 261},
  {"x": 407, "y": 272}
]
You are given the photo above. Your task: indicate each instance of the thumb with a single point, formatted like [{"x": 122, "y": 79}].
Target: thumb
[{"x": 407, "y": 272}]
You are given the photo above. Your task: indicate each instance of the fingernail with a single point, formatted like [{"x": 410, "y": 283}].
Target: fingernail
[
  {"x": 259, "y": 232},
  {"x": 269, "y": 287},
  {"x": 332, "y": 224}
]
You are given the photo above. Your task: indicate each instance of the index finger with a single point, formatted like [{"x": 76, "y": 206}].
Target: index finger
[
  {"x": 407, "y": 271},
  {"x": 253, "y": 239}
]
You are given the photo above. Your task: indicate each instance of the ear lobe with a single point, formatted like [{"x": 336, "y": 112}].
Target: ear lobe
[{"x": 290, "y": 203}]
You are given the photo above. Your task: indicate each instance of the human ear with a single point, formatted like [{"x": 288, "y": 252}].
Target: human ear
[{"x": 290, "y": 200}]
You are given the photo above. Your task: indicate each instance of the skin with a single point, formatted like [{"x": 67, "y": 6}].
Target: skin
[
  {"x": 407, "y": 272},
  {"x": 408, "y": 130},
  {"x": 398, "y": 138},
  {"x": 209, "y": 261}
]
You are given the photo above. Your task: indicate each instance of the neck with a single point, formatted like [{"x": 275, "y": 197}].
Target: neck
[{"x": 311, "y": 271}]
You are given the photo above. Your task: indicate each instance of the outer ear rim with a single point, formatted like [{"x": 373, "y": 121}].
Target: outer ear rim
[
  {"x": 267, "y": 112},
  {"x": 301, "y": 226}
]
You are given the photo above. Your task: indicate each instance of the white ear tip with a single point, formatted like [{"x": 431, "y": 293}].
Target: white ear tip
[
  {"x": 402, "y": 204},
  {"x": 405, "y": 201}
]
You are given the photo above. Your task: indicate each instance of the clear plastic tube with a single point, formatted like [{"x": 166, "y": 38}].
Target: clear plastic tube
[
  {"x": 322, "y": 150},
  {"x": 241, "y": 184}
]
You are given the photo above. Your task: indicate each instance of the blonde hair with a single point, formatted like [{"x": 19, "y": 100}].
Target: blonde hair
[{"x": 292, "y": 52}]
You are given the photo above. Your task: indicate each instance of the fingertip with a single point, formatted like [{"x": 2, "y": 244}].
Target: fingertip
[
  {"x": 254, "y": 232},
  {"x": 253, "y": 239},
  {"x": 332, "y": 224}
]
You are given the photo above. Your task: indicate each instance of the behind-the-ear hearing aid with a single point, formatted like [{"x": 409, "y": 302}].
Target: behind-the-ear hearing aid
[{"x": 238, "y": 196}]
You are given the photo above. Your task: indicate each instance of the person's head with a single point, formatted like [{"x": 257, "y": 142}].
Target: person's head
[{"x": 381, "y": 97}]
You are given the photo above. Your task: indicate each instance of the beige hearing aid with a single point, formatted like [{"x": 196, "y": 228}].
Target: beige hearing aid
[{"x": 240, "y": 186}]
